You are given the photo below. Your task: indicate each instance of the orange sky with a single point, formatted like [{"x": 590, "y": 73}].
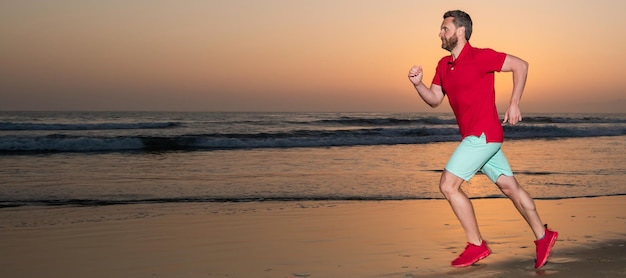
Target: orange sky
[{"x": 233, "y": 55}]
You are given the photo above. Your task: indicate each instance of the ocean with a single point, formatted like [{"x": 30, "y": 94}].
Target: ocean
[{"x": 115, "y": 158}]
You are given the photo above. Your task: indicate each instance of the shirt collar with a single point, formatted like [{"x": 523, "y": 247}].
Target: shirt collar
[{"x": 465, "y": 53}]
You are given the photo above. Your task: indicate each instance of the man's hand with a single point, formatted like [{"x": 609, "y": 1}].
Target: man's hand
[
  {"x": 415, "y": 75},
  {"x": 512, "y": 115}
]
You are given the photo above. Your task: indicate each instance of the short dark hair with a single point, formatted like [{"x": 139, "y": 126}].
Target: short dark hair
[{"x": 461, "y": 18}]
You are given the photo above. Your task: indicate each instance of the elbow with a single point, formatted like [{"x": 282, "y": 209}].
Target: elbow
[
  {"x": 514, "y": 64},
  {"x": 523, "y": 66},
  {"x": 435, "y": 104}
]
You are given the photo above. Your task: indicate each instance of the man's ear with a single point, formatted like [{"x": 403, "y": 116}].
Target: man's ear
[{"x": 461, "y": 31}]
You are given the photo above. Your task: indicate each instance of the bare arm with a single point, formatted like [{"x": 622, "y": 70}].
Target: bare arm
[
  {"x": 433, "y": 96},
  {"x": 519, "y": 68}
]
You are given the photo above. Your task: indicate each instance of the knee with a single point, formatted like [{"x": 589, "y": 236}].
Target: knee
[
  {"x": 449, "y": 184},
  {"x": 509, "y": 192},
  {"x": 508, "y": 186},
  {"x": 446, "y": 189}
]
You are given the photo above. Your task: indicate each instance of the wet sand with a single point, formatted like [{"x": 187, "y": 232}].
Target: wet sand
[{"x": 306, "y": 239}]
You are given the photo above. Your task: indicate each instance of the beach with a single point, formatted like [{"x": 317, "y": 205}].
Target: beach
[
  {"x": 156, "y": 194},
  {"x": 415, "y": 238}
]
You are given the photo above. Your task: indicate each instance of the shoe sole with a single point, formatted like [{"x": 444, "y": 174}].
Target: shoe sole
[
  {"x": 549, "y": 251},
  {"x": 480, "y": 257}
]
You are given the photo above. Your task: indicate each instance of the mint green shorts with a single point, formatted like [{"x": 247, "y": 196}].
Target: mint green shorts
[{"x": 474, "y": 154}]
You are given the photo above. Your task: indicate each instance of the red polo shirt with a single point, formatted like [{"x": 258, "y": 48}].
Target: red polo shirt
[{"x": 468, "y": 82}]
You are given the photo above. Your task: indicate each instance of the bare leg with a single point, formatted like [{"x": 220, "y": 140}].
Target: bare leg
[
  {"x": 523, "y": 202},
  {"x": 450, "y": 186}
]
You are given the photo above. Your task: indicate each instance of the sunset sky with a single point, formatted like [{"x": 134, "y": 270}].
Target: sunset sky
[{"x": 291, "y": 55}]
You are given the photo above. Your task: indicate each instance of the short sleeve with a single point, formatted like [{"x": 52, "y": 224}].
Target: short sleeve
[{"x": 492, "y": 60}]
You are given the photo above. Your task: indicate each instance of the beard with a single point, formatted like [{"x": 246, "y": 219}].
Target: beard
[{"x": 449, "y": 44}]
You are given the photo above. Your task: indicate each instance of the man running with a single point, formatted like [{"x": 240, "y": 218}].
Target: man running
[{"x": 467, "y": 78}]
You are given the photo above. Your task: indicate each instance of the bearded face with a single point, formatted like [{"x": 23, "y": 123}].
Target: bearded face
[{"x": 449, "y": 43}]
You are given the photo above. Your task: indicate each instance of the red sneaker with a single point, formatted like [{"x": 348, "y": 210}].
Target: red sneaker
[
  {"x": 471, "y": 255},
  {"x": 544, "y": 246}
]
